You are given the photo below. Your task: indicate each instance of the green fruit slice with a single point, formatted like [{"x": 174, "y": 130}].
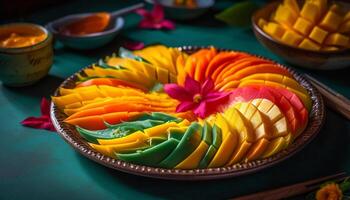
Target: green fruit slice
[
  {"x": 187, "y": 145},
  {"x": 207, "y": 135},
  {"x": 151, "y": 156}
]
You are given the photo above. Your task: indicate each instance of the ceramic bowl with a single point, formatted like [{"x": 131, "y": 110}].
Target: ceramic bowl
[
  {"x": 24, "y": 66},
  {"x": 182, "y": 12},
  {"x": 89, "y": 41},
  {"x": 318, "y": 60}
]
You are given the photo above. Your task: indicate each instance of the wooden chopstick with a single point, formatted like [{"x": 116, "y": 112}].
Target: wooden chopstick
[
  {"x": 293, "y": 190},
  {"x": 333, "y": 100}
]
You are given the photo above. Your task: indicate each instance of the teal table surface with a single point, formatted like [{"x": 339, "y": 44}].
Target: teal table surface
[{"x": 38, "y": 164}]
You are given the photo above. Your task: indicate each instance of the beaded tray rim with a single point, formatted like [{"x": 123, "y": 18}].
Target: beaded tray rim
[{"x": 71, "y": 136}]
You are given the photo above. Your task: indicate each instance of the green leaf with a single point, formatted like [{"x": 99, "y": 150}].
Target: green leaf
[
  {"x": 239, "y": 14},
  {"x": 124, "y": 53},
  {"x": 101, "y": 63}
]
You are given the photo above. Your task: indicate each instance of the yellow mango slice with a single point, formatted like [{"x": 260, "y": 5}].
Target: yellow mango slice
[
  {"x": 337, "y": 39},
  {"x": 311, "y": 12},
  {"x": 61, "y": 101},
  {"x": 331, "y": 21},
  {"x": 292, "y": 38},
  {"x": 228, "y": 145},
  {"x": 257, "y": 149},
  {"x": 192, "y": 161},
  {"x": 274, "y": 147},
  {"x": 274, "y": 29},
  {"x": 160, "y": 130},
  {"x": 309, "y": 44},
  {"x": 238, "y": 122},
  {"x": 239, "y": 153},
  {"x": 110, "y": 150},
  {"x": 303, "y": 26},
  {"x": 318, "y": 34}
]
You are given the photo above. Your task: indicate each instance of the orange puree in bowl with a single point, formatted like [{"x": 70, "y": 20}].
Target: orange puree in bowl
[{"x": 20, "y": 36}]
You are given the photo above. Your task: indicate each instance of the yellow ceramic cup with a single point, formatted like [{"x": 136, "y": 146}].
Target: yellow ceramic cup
[{"x": 26, "y": 64}]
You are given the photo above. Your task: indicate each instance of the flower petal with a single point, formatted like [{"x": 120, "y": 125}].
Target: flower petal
[
  {"x": 185, "y": 106},
  {"x": 42, "y": 122},
  {"x": 133, "y": 45},
  {"x": 177, "y": 92},
  {"x": 167, "y": 24},
  {"x": 45, "y": 107},
  {"x": 216, "y": 96},
  {"x": 143, "y": 12},
  {"x": 207, "y": 86},
  {"x": 192, "y": 86},
  {"x": 201, "y": 110},
  {"x": 157, "y": 12}
]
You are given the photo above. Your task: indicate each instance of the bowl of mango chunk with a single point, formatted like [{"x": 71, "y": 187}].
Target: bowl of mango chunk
[{"x": 307, "y": 33}]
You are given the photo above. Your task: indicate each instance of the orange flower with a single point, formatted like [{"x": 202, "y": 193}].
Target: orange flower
[{"x": 329, "y": 192}]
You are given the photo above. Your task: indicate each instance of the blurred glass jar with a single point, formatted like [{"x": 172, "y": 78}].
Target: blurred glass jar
[{"x": 26, "y": 53}]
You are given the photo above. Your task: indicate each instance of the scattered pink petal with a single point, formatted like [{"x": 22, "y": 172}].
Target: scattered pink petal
[
  {"x": 133, "y": 45},
  {"x": 42, "y": 122},
  {"x": 154, "y": 19},
  {"x": 202, "y": 99}
]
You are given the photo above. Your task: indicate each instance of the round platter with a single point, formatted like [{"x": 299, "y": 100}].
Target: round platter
[{"x": 71, "y": 136}]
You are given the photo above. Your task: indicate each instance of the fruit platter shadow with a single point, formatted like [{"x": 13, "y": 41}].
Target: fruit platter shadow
[{"x": 44, "y": 87}]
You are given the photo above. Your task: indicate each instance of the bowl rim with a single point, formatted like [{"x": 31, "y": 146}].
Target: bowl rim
[
  {"x": 267, "y": 36},
  {"x": 316, "y": 120},
  {"x": 119, "y": 24},
  {"x": 211, "y": 4},
  {"x": 17, "y": 50}
]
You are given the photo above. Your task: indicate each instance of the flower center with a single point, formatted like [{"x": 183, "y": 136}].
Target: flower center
[{"x": 197, "y": 98}]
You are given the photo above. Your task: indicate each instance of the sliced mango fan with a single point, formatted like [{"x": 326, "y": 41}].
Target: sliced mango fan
[{"x": 162, "y": 107}]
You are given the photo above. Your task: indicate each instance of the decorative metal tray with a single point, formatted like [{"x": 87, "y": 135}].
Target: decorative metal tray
[{"x": 71, "y": 136}]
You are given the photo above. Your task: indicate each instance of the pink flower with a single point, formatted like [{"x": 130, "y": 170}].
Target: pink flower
[
  {"x": 202, "y": 99},
  {"x": 154, "y": 19},
  {"x": 42, "y": 122},
  {"x": 133, "y": 45}
]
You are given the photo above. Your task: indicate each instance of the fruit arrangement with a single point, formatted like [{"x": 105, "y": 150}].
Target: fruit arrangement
[
  {"x": 315, "y": 25},
  {"x": 164, "y": 108}
]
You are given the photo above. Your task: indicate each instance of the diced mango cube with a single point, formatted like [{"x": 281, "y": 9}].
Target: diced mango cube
[
  {"x": 337, "y": 39},
  {"x": 292, "y": 38},
  {"x": 285, "y": 16},
  {"x": 317, "y": 34},
  {"x": 331, "y": 21},
  {"x": 311, "y": 12},
  {"x": 347, "y": 16},
  {"x": 292, "y": 4},
  {"x": 274, "y": 29},
  {"x": 337, "y": 9},
  {"x": 262, "y": 22},
  {"x": 303, "y": 26},
  {"x": 345, "y": 27},
  {"x": 309, "y": 44},
  {"x": 330, "y": 48},
  {"x": 321, "y": 4}
]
